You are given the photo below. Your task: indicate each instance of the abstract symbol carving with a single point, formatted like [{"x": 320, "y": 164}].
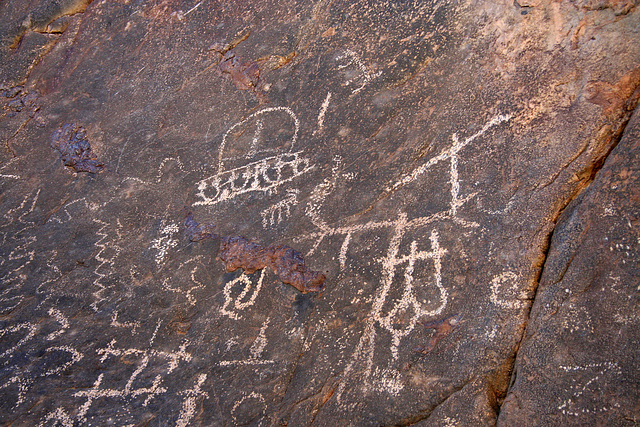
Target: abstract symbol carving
[{"x": 264, "y": 175}]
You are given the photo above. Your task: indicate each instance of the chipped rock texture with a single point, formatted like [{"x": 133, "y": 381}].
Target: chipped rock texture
[{"x": 464, "y": 173}]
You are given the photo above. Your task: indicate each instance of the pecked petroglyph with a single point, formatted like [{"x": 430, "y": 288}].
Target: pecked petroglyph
[
  {"x": 382, "y": 318},
  {"x": 349, "y": 58},
  {"x": 262, "y": 175}
]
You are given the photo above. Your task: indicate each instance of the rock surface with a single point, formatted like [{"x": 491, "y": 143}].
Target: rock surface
[{"x": 465, "y": 175}]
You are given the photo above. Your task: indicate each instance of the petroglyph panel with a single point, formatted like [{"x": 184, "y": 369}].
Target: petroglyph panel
[{"x": 391, "y": 148}]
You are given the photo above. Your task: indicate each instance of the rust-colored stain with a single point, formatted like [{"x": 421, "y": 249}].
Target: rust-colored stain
[
  {"x": 443, "y": 327},
  {"x": 239, "y": 252},
  {"x": 196, "y": 231},
  {"x": 75, "y": 150},
  {"x": 244, "y": 75}
]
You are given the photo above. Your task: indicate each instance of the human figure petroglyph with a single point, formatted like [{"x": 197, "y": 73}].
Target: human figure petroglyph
[
  {"x": 384, "y": 319},
  {"x": 147, "y": 358}
]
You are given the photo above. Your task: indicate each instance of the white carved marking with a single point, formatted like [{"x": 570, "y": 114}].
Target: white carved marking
[
  {"x": 323, "y": 111},
  {"x": 166, "y": 240},
  {"x": 253, "y": 150},
  {"x": 21, "y": 240},
  {"x": 59, "y": 415},
  {"x": 117, "y": 324},
  {"x": 252, "y": 395},
  {"x": 572, "y": 405},
  {"x": 504, "y": 291},
  {"x": 408, "y": 305},
  {"x": 240, "y": 303},
  {"x": 171, "y": 360},
  {"x": 450, "y": 153},
  {"x": 351, "y": 58},
  {"x": 188, "y": 293},
  {"x": 260, "y": 343},
  {"x": 64, "y": 323},
  {"x": 264, "y": 176},
  {"x": 287, "y": 110},
  {"x": 280, "y": 211},
  {"x": 31, "y": 332},
  {"x": 245, "y": 362},
  {"x": 189, "y": 405},
  {"x": 106, "y": 260},
  {"x": 76, "y": 356},
  {"x": 192, "y": 9},
  {"x": 256, "y": 350}
]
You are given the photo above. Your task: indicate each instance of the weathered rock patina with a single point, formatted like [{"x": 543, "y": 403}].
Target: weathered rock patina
[{"x": 466, "y": 166}]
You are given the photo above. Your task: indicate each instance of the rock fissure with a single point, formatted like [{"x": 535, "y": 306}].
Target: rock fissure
[
  {"x": 595, "y": 167},
  {"x": 426, "y": 415}
]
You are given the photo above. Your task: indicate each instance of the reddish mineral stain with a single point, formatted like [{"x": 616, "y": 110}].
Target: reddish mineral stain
[
  {"x": 238, "y": 252},
  {"x": 442, "y": 327},
  {"x": 75, "y": 150},
  {"x": 287, "y": 263}
]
